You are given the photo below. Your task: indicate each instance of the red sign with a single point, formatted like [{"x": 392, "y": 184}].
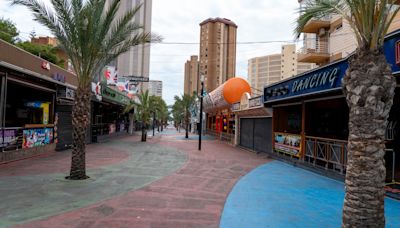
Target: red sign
[
  {"x": 46, "y": 65},
  {"x": 397, "y": 52}
]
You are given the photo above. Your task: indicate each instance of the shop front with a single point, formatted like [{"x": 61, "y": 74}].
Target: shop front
[
  {"x": 108, "y": 117},
  {"x": 217, "y": 106},
  {"x": 310, "y": 117},
  {"x": 28, "y": 101},
  {"x": 253, "y": 124}
]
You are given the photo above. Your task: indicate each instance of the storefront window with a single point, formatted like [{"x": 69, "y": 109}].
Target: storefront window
[
  {"x": 327, "y": 119},
  {"x": 288, "y": 119},
  {"x": 27, "y": 106}
]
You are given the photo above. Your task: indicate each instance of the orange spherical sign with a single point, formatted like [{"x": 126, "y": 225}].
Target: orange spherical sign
[{"x": 234, "y": 88}]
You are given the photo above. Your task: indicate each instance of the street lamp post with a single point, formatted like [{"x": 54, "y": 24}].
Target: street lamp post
[
  {"x": 201, "y": 110},
  {"x": 154, "y": 119}
]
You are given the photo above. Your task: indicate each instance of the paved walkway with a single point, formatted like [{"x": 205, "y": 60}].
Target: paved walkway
[
  {"x": 166, "y": 182},
  {"x": 280, "y": 195}
]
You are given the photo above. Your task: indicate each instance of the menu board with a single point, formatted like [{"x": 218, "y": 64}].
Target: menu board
[
  {"x": 288, "y": 143},
  {"x": 37, "y": 137}
]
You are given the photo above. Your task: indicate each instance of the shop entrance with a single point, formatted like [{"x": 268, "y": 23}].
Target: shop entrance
[
  {"x": 326, "y": 132},
  {"x": 64, "y": 113},
  {"x": 392, "y": 156},
  {"x": 255, "y": 134},
  {"x": 29, "y": 116}
]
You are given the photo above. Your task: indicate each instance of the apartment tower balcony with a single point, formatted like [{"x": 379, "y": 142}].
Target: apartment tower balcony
[
  {"x": 316, "y": 24},
  {"x": 318, "y": 53}
]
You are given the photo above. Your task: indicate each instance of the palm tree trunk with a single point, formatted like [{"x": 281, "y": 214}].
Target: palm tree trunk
[
  {"x": 187, "y": 127},
  {"x": 162, "y": 126},
  {"x": 131, "y": 121},
  {"x": 80, "y": 122},
  {"x": 369, "y": 89},
  {"x": 144, "y": 133}
]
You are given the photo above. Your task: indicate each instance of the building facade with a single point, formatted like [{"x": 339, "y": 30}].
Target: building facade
[
  {"x": 192, "y": 81},
  {"x": 330, "y": 38},
  {"x": 310, "y": 117},
  {"x": 136, "y": 62},
  {"x": 217, "y": 51},
  {"x": 155, "y": 88},
  {"x": 269, "y": 69}
]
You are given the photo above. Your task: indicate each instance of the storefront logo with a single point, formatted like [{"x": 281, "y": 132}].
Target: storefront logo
[
  {"x": 316, "y": 80},
  {"x": 59, "y": 77},
  {"x": 255, "y": 102},
  {"x": 45, "y": 65}
]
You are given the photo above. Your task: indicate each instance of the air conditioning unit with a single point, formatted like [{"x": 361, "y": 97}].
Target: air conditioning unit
[{"x": 321, "y": 32}]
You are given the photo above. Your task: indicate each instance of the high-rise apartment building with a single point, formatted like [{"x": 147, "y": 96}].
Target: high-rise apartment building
[
  {"x": 192, "y": 81},
  {"x": 269, "y": 69},
  {"x": 330, "y": 38},
  {"x": 155, "y": 88},
  {"x": 136, "y": 61},
  {"x": 217, "y": 51}
]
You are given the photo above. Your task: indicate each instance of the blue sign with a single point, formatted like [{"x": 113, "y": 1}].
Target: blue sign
[
  {"x": 390, "y": 47},
  {"x": 322, "y": 79}
]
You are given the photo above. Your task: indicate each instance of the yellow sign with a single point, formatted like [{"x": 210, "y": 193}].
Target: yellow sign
[{"x": 45, "y": 107}]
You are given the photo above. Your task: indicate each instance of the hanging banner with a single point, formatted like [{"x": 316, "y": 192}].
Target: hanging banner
[
  {"x": 37, "y": 137},
  {"x": 288, "y": 143}
]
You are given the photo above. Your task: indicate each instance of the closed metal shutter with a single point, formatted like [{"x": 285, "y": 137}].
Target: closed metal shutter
[
  {"x": 246, "y": 133},
  {"x": 263, "y": 134},
  {"x": 64, "y": 126},
  {"x": 256, "y": 134}
]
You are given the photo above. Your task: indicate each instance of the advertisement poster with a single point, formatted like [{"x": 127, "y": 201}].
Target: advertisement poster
[
  {"x": 288, "y": 143},
  {"x": 37, "y": 137},
  {"x": 8, "y": 137},
  {"x": 110, "y": 75}
]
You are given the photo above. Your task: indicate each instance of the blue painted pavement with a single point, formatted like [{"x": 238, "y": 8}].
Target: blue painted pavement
[{"x": 279, "y": 195}]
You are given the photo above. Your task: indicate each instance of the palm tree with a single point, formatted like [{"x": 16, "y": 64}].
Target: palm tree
[
  {"x": 184, "y": 105},
  {"x": 158, "y": 106},
  {"x": 177, "y": 113},
  {"x": 91, "y": 36},
  {"x": 143, "y": 111},
  {"x": 369, "y": 89}
]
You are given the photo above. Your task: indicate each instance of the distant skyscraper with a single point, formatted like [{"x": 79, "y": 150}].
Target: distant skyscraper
[
  {"x": 217, "y": 51},
  {"x": 269, "y": 69},
  {"x": 155, "y": 88},
  {"x": 192, "y": 75},
  {"x": 136, "y": 61}
]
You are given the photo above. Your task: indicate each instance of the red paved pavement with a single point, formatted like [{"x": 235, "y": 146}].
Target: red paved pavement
[
  {"x": 97, "y": 155},
  {"x": 192, "y": 197}
]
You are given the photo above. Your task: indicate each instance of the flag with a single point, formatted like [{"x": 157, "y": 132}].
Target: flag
[{"x": 110, "y": 75}]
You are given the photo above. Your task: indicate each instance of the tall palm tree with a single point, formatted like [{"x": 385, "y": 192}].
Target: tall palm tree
[
  {"x": 185, "y": 104},
  {"x": 143, "y": 111},
  {"x": 92, "y": 36},
  {"x": 157, "y": 106},
  {"x": 369, "y": 89},
  {"x": 177, "y": 112}
]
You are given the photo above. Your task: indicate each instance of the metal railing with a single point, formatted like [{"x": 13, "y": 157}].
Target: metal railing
[
  {"x": 317, "y": 47},
  {"x": 328, "y": 153},
  {"x": 390, "y": 130},
  {"x": 227, "y": 137}
]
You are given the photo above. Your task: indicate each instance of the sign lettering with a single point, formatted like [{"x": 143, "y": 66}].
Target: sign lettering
[{"x": 315, "y": 81}]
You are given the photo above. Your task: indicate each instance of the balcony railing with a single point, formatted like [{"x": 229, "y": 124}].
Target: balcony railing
[
  {"x": 328, "y": 153},
  {"x": 316, "y": 53}
]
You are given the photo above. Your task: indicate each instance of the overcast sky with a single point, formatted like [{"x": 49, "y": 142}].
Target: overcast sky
[{"x": 178, "y": 21}]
